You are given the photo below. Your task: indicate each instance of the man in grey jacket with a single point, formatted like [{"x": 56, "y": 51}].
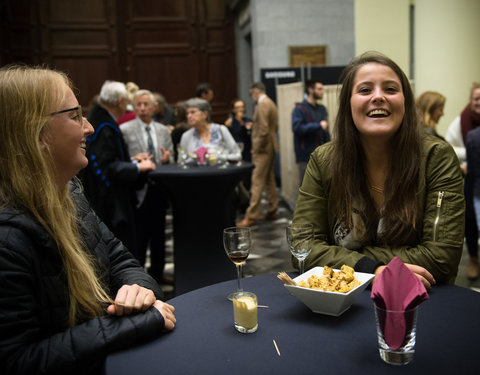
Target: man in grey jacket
[{"x": 145, "y": 135}]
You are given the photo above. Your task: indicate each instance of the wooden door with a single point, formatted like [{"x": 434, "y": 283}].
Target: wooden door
[
  {"x": 172, "y": 45},
  {"x": 162, "y": 45}
]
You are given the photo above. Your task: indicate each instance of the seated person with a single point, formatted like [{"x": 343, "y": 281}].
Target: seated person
[
  {"x": 383, "y": 187},
  {"x": 214, "y": 137},
  {"x": 70, "y": 292}
]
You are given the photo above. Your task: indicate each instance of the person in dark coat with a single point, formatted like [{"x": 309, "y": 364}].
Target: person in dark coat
[
  {"x": 112, "y": 176},
  {"x": 70, "y": 292},
  {"x": 309, "y": 125}
]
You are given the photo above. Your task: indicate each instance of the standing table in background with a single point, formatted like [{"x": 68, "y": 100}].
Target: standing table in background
[{"x": 203, "y": 200}]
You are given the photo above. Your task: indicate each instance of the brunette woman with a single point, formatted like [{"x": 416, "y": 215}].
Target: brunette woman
[{"x": 383, "y": 187}]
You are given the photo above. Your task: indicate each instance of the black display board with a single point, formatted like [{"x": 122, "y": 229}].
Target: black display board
[{"x": 328, "y": 75}]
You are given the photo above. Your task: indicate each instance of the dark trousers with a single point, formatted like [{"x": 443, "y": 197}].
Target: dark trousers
[
  {"x": 150, "y": 225},
  {"x": 471, "y": 228}
]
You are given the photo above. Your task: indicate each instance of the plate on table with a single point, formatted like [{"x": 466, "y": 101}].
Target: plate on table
[{"x": 328, "y": 303}]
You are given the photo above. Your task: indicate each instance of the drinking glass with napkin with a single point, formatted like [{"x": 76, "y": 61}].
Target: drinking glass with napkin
[
  {"x": 397, "y": 289},
  {"x": 201, "y": 154}
]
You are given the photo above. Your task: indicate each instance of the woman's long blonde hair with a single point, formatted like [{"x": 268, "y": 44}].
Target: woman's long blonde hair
[
  {"x": 426, "y": 104},
  {"x": 27, "y": 178}
]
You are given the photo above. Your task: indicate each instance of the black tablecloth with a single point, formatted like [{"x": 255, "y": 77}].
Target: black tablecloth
[
  {"x": 205, "y": 340},
  {"x": 203, "y": 205}
]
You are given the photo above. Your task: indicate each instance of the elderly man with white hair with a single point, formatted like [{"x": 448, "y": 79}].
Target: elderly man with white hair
[{"x": 111, "y": 176}]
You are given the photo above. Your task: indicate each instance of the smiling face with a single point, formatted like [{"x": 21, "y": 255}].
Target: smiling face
[
  {"x": 65, "y": 134},
  {"x": 377, "y": 101}
]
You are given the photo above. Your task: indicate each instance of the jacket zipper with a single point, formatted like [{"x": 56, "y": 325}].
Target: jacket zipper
[{"x": 437, "y": 218}]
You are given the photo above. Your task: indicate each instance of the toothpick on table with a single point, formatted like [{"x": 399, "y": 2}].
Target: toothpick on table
[{"x": 276, "y": 347}]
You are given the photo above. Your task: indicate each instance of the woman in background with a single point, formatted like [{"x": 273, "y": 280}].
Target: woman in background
[
  {"x": 214, "y": 137},
  {"x": 70, "y": 292},
  {"x": 241, "y": 127},
  {"x": 430, "y": 107},
  {"x": 382, "y": 188},
  {"x": 456, "y": 135}
]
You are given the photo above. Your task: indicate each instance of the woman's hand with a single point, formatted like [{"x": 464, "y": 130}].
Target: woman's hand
[
  {"x": 167, "y": 312},
  {"x": 131, "y": 299},
  {"x": 425, "y": 277}
]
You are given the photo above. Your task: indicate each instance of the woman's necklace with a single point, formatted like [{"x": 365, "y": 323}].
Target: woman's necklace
[{"x": 376, "y": 189}]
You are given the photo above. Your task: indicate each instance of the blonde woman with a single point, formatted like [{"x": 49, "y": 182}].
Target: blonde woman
[
  {"x": 70, "y": 292},
  {"x": 430, "y": 105}
]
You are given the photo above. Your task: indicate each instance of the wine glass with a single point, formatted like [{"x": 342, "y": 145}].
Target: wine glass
[
  {"x": 299, "y": 239},
  {"x": 241, "y": 146},
  {"x": 182, "y": 158},
  {"x": 237, "y": 242}
]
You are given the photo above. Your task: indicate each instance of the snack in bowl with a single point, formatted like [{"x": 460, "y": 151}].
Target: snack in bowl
[
  {"x": 327, "y": 302},
  {"x": 342, "y": 281}
]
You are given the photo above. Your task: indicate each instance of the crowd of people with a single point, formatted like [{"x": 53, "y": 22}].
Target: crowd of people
[{"x": 78, "y": 213}]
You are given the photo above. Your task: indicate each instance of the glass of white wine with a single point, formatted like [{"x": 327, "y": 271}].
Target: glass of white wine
[
  {"x": 299, "y": 239},
  {"x": 237, "y": 243}
]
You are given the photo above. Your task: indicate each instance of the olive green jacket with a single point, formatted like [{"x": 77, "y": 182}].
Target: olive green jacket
[{"x": 440, "y": 199}]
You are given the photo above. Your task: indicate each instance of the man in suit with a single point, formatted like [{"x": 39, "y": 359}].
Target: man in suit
[
  {"x": 143, "y": 134},
  {"x": 111, "y": 175},
  {"x": 264, "y": 148}
]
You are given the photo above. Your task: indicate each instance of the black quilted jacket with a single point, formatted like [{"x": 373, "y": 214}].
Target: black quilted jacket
[{"x": 35, "y": 337}]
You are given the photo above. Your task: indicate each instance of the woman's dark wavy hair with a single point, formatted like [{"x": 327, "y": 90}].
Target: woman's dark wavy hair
[{"x": 349, "y": 181}]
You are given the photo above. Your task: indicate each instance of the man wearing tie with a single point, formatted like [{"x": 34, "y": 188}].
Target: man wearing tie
[{"x": 145, "y": 135}]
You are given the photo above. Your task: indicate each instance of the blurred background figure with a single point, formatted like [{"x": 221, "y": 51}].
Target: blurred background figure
[
  {"x": 456, "y": 135},
  {"x": 144, "y": 135},
  {"x": 264, "y": 149},
  {"x": 309, "y": 125},
  {"x": 129, "y": 114},
  {"x": 214, "y": 137},
  {"x": 204, "y": 91},
  {"x": 430, "y": 106},
  {"x": 241, "y": 128},
  {"x": 181, "y": 126},
  {"x": 111, "y": 176},
  {"x": 163, "y": 113}
]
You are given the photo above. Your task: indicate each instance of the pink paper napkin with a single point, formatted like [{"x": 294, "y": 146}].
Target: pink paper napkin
[
  {"x": 201, "y": 152},
  {"x": 397, "y": 288}
]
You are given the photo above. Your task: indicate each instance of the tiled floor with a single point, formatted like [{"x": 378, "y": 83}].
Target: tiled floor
[{"x": 270, "y": 252}]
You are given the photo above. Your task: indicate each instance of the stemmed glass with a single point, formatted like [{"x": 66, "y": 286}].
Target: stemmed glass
[
  {"x": 182, "y": 157},
  {"x": 237, "y": 242},
  {"x": 299, "y": 239},
  {"x": 241, "y": 147}
]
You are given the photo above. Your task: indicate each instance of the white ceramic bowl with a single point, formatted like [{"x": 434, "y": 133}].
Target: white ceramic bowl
[{"x": 329, "y": 303}]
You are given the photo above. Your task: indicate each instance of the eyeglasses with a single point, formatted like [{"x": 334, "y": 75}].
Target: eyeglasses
[{"x": 79, "y": 116}]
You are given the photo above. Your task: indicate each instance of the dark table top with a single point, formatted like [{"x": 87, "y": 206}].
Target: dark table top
[
  {"x": 205, "y": 341},
  {"x": 175, "y": 170}
]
